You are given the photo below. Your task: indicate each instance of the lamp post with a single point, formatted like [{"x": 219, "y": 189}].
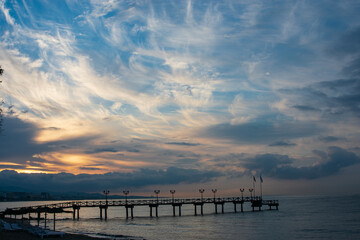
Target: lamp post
[
  {"x": 157, "y": 195},
  {"x": 201, "y": 191},
  {"x": 214, "y": 192},
  {"x": 172, "y": 193},
  {"x": 126, "y": 192},
  {"x": 251, "y": 190},
  {"x": 242, "y": 193},
  {"x": 106, "y": 192}
]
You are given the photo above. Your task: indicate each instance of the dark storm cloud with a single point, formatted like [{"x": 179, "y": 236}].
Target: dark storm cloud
[
  {"x": 13, "y": 181},
  {"x": 262, "y": 131},
  {"x": 282, "y": 144},
  {"x": 279, "y": 166}
]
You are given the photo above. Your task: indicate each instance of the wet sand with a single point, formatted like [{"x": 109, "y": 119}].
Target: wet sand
[{"x": 28, "y": 236}]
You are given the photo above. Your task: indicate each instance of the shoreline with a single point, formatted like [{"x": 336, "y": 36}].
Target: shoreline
[
  {"x": 28, "y": 236},
  {"x": 26, "y": 231}
]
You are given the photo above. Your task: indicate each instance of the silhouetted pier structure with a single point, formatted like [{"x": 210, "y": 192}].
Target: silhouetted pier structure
[{"x": 256, "y": 204}]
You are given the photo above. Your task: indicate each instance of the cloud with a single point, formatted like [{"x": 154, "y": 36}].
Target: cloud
[
  {"x": 347, "y": 44},
  {"x": 262, "y": 131},
  {"x": 305, "y": 108},
  {"x": 183, "y": 143},
  {"x": 331, "y": 99},
  {"x": 282, "y": 144},
  {"x": 101, "y": 150},
  {"x": 328, "y": 139},
  {"x": 17, "y": 141},
  {"x": 280, "y": 166},
  {"x": 37, "y": 182}
]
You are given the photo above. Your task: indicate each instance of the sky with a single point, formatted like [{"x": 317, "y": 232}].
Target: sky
[{"x": 142, "y": 95}]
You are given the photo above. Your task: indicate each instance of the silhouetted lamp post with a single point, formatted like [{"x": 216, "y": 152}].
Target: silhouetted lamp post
[
  {"x": 157, "y": 194},
  {"x": 214, "y": 192},
  {"x": 201, "y": 191},
  {"x": 251, "y": 190},
  {"x": 242, "y": 193},
  {"x": 106, "y": 192},
  {"x": 172, "y": 193},
  {"x": 126, "y": 192}
]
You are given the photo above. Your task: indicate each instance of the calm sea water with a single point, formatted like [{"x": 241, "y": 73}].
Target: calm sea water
[{"x": 300, "y": 217}]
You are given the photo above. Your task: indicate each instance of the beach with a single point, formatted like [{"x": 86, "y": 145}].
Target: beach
[
  {"x": 23, "y": 234},
  {"x": 28, "y": 236}
]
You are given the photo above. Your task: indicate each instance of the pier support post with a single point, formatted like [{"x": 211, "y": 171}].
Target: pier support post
[
  {"x": 222, "y": 208},
  {"x": 100, "y": 213},
  {"x": 242, "y": 208},
  {"x": 150, "y": 211},
  {"x": 45, "y": 220},
  {"x": 38, "y": 218},
  {"x": 235, "y": 208},
  {"x": 180, "y": 210},
  {"x": 76, "y": 209},
  {"x": 54, "y": 221},
  {"x": 173, "y": 210},
  {"x": 195, "y": 210},
  {"x": 131, "y": 211},
  {"x": 202, "y": 211},
  {"x": 157, "y": 210},
  {"x": 216, "y": 208}
]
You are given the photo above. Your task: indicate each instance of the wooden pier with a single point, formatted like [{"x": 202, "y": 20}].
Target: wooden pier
[{"x": 74, "y": 206}]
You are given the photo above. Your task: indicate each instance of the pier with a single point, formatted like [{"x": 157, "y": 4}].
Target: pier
[{"x": 256, "y": 203}]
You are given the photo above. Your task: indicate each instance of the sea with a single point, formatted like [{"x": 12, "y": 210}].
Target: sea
[{"x": 298, "y": 217}]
